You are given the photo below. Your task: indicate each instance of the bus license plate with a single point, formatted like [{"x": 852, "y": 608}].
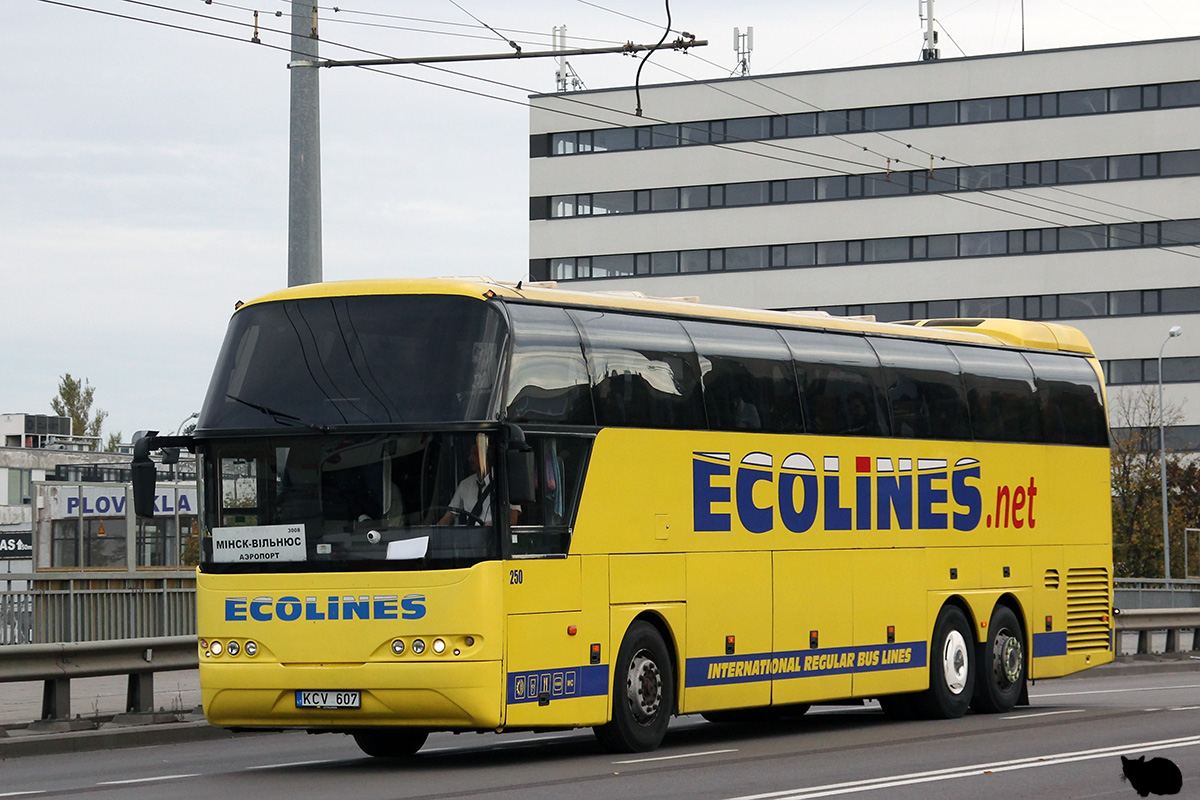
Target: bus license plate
[{"x": 342, "y": 699}]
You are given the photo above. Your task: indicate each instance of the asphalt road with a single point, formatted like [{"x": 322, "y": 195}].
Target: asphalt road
[{"x": 1067, "y": 744}]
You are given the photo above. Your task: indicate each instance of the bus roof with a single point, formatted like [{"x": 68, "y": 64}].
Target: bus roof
[{"x": 993, "y": 331}]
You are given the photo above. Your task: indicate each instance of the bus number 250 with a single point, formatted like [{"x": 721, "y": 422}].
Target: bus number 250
[{"x": 516, "y": 576}]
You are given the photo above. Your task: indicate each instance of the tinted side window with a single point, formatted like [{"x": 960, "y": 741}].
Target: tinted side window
[
  {"x": 749, "y": 382},
  {"x": 644, "y": 371},
  {"x": 839, "y": 380},
  {"x": 924, "y": 389},
  {"x": 1069, "y": 396},
  {"x": 547, "y": 376},
  {"x": 543, "y": 527},
  {"x": 1000, "y": 395}
]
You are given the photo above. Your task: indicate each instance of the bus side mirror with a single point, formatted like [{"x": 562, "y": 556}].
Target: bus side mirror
[
  {"x": 144, "y": 475},
  {"x": 520, "y": 474}
]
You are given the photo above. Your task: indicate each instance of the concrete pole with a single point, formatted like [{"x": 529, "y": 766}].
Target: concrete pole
[{"x": 304, "y": 182}]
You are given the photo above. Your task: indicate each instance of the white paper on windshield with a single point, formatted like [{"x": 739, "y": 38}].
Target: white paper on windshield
[
  {"x": 258, "y": 543},
  {"x": 408, "y": 549}
]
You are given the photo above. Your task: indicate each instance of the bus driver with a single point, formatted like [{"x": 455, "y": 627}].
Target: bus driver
[{"x": 470, "y": 504}]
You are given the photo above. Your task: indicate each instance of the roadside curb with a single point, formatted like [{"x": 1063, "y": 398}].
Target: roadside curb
[
  {"x": 1144, "y": 665},
  {"x": 45, "y": 744}
]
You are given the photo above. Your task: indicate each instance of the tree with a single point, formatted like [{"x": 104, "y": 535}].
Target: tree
[
  {"x": 74, "y": 400},
  {"x": 1137, "y": 491}
]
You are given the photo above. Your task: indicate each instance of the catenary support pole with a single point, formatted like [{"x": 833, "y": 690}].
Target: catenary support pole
[{"x": 304, "y": 184}]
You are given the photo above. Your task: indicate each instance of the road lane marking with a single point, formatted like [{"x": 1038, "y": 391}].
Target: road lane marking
[
  {"x": 669, "y": 758},
  {"x": 149, "y": 780},
  {"x": 1114, "y": 691},
  {"x": 871, "y": 784},
  {"x": 1045, "y": 714},
  {"x": 22, "y": 794},
  {"x": 1183, "y": 708},
  {"x": 292, "y": 764}
]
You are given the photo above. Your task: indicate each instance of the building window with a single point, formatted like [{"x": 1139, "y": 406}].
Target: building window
[
  {"x": 879, "y": 118},
  {"x": 988, "y": 177},
  {"x": 20, "y": 486}
]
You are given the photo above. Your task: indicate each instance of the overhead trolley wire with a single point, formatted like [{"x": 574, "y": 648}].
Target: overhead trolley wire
[
  {"x": 338, "y": 10},
  {"x": 909, "y": 146},
  {"x": 566, "y": 97}
]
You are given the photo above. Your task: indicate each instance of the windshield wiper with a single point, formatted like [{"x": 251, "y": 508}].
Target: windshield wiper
[{"x": 278, "y": 416}]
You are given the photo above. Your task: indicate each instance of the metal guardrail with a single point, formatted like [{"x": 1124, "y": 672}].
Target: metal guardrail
[
  {"x": 75, "y": 611},
  {"x": 1146, "y": 621},
  {"x": 1135, "y": 593},
  {"x": 57, "y": 664}
]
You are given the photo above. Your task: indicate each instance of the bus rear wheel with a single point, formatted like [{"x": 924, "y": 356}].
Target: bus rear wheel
[
  {"x": 390, "y": 742},
  {"x": 1003, "y": 677},
  {"x": 951, "y": 668},
  {"x": 643, "y": 693}
]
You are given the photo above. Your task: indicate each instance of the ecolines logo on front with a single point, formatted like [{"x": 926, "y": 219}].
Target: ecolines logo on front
[
  {"x": 863, "y": 493},
  {"x": 333, "y": 607}
]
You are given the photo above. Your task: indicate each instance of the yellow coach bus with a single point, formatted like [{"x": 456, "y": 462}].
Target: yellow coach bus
[{"x": 461, "y": 505}]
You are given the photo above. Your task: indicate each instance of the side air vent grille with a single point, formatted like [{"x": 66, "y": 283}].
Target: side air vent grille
[{"x": 1089, "y": 602}]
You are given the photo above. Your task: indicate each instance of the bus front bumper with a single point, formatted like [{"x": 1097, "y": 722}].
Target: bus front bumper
[{"x": 447, "y": 696}]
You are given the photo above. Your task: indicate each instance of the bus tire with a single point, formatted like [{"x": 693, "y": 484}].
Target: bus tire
[
  {"x": 951, "y": 667},
  {"x": 1002, "y": 678},
  {"x": 643, "y": 693},
  {"x": 390, "y": 742}
]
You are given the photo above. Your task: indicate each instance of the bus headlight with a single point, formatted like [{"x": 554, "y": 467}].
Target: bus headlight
[
  {"x": 233, "y": 649},
  {"x": 398, "y": 646},
  {"x": 215, "y": 648},
  {"x": 251, "y": 648},
  {"x": 418, "y": 646},
  {"x": 439, "y": 646}
]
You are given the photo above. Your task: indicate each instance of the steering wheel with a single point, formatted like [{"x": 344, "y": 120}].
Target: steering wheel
[{"x": 440, "y": 511}]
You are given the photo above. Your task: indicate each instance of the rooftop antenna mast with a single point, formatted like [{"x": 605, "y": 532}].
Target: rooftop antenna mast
[
  {"x": 930, "y": 51},
  {"x": 743, "y": 43},
  {"x": 566, "y": 73}
]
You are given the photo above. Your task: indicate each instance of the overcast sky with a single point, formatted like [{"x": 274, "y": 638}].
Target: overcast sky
[{"x": 143, "y": 168}]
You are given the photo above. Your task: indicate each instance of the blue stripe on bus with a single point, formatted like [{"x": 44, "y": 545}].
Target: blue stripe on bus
[
  {"x": 1049, "y": 644},
  {"x": 749, "y": 668},
  {"x": 558, "y": 684}
]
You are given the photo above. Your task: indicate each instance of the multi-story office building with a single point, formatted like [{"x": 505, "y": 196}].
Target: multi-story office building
[{"x": 1059, "y": 185}]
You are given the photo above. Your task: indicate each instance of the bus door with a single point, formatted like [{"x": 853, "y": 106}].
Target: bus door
[{"x": 556, "y": 604}]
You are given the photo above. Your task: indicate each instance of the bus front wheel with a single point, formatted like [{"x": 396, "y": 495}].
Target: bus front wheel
[
  {"x": 390, "y": 743},
  {"x": 643, "y": 693},
  {"x": 951, "y": 667},
  {"x": 1003, "y": 677}
]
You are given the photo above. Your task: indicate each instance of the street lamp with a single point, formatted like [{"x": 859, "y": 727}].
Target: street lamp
[
  {"x": 195, "y": 414},
  {"x": 1162, "y": 451}
]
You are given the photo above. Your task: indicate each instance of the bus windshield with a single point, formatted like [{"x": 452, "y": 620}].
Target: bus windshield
[
  {"x": 372, "y": 359},
  {"x": 312, "y": 503}
]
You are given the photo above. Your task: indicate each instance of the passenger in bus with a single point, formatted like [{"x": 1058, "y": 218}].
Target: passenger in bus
[{"x": 858, "y": 415}]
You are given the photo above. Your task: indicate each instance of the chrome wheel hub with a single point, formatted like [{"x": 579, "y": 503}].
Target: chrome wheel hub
[
  {"x": 643, "y": 687},
  {"x": 955, "y": 662},
  {"x": 1008, "y": 660}
]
